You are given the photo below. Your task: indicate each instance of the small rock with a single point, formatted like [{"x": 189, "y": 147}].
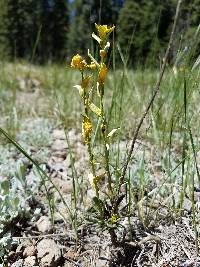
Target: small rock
[
  {"x": 29, "y": 251},
  {"x": 90, "y": 194},
  {"x": 22, "y": 83},
  {"x": 18, "y": 263},
  {"x": 188, "y": 263},
  {"x": 67, "y": 162},
  {"x": 48, "y": 253},
  {"x": 44, "y": 224},
  {"x": 59, "y": 134},
  {"x": 32, "y": 179},
  {"x": 74, "y": 136},
  {"x": 187, "y": 204},
  {"x": 68, "y": 264},
  {"x": 66, "y": 186},
  {"x": 197, "y": 196},
  {"x": 34, "y": 83},
  {"x": 102, "y": 262},
  {"x": 71, "y": 254},
  {"x": 59, "y": 145},
  {"x": 59, "y": 155},
  {"x": 58, "y": 166},
  {"x": 30, "y": 261}
]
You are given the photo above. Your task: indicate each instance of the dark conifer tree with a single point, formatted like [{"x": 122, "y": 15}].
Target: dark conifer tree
[
  {"x": 128, "y": 25},
  {"x": 54, "y": 29},
  {"x": 59, "y": 20},
  {"x": 143, "y": 29},
  {"x": 4, "y": 43},
  {"x": 80, "y": 27},
  {"x": 84, "y": 14},
  {"x": 21, "y": 27},
  {"x": 29, "y": 26}
]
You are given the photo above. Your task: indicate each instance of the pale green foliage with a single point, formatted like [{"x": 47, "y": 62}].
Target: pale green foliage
[{"x": 12, "y": 208}]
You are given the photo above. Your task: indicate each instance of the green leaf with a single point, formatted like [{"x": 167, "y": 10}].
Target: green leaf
[
  {"x": 16, "y": 202},
  {"x": 98, "y": 204},
  {"x": 6, "y": 187}
]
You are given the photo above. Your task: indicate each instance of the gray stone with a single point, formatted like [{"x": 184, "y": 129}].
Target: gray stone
[
  {"x": 48, "y": 253},
  {"x": 66, "y": 186},
  {"x": 18, "y": 263},
  {"x": 59, "y": 134},
  {"x": 44, "y": 224},
  {"x": 59, "y": 145},
  {"x": 30, "y": 261},
  {"x": 29, "y": 251}
]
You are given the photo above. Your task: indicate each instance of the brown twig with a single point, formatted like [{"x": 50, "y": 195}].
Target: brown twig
[
  {"x": 39, "y": 236},
  {"x": 149, "y": 238},
  {"x": 157, "y": 89}
]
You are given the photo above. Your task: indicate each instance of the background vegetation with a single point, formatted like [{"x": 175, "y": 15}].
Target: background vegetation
[{"x": 51, "y": 30}]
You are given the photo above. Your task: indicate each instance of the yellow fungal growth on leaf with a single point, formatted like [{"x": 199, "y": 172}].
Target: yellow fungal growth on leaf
[
  {"x": 93, "y": 181},
  {"x": 103, "y": 54},
  {"x": 104, "y": 31},
  {"x": 102, "y": 73},
  {"x": 86, "y": 82},
  {"x": 114, "y": 219},
  {"x": 86, "y": 129},
  {"x": 92, "y": 66},
  {"x": 78, "y": 62}
]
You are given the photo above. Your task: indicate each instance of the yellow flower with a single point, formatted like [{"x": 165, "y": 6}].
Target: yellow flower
[
  {"x": 78, "y": 63},
  {"x": 104, "y": 31},
  {"x": 86, "y": 129},
  {"x": 102, "y": 73}
]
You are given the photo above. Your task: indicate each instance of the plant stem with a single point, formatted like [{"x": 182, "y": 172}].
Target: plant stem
[
  {"x": 89, "y": 145},
  {"x": 113, "y": 237},
  {"x": 106, "y": 151}
]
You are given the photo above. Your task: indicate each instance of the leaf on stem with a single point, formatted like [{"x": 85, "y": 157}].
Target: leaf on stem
[
  {"x": 96, "y": 37},
  {"x": 111, "y": 133}
]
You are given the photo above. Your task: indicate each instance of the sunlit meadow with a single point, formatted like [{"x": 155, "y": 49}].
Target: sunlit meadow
[{"x": 103, "y": 105}]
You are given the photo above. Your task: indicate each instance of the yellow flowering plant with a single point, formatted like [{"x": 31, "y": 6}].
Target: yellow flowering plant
[{"x": 104, "y": 201}]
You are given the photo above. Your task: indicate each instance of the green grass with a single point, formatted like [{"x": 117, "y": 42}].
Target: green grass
[
  {"x": 128, "y": 93},
  {"x": 126, "y": 98}
]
